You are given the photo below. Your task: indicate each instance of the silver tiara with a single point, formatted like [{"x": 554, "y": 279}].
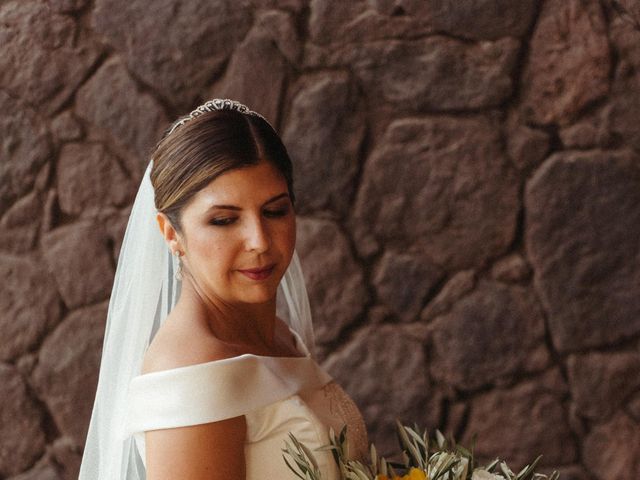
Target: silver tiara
[{"x": 213, "y": 105}]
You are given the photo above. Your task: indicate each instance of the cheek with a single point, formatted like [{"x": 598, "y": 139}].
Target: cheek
[
  {"x": 210, "y": 246},
  {"x": 289, "y": 235}
]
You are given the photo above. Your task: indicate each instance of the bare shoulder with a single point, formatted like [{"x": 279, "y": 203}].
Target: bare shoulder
[
  {"x": 181, "y": 342},
  {"x": 201, "y": 451}
]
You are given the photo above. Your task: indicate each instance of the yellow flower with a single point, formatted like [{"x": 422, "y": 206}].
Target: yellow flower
[{"x": 416, "y": 474}]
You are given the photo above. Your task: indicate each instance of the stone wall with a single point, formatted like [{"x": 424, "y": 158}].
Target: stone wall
[{"x": 468, "y": 175}]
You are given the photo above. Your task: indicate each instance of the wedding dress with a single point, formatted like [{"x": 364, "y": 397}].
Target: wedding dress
[{"x": 277, "y": 395}]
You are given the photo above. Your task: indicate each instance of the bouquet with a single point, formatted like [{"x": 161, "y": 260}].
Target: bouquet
[{"x": 422, "y": 459}]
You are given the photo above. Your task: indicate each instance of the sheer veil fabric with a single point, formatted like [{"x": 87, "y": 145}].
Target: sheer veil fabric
[{"x": 144, "y": 292}]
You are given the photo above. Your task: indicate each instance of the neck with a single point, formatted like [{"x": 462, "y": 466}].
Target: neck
[{"x": 248, "y": 325}]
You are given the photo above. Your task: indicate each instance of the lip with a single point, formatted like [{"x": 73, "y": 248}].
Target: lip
[
  {"x": 259, "y": 270},
  {"x": 258, "y": 273}
]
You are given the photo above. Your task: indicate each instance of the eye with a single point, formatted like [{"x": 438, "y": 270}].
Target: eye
[
  {"x": 222, "y": 221},
  {"x": 277, "y": 213}
]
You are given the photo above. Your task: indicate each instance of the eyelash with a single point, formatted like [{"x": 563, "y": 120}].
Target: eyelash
[{"x": 221, "y": 222}]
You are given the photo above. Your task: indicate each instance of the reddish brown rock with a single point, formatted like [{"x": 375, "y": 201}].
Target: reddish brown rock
[
  {"x": 65, "y": 127},
  {"x": 403, "y": 281},
  {"x": 67, "y": 6},
  {"x": 593, "y": 130},
  {"x": 26, "y": 363},
  {"x": 624, "y": 43},
  {"x": 37, "y": 45},
  {"x": 526, "y": 146},
  {"x": 323, "y": 135},
  {"x": 51, "y": 215},
  {"x": 511, "y": 269},
  {"x": 116, "y": 225},
  {"x": 29, "y": 304},
  {"x": 623, "y": 108},
  {"x": 19, "y": 227},
  {"x": 67, "y": 372},
  {"x": 612, "y": 450},
  {"x": 521, "y": 423},
  {"x": 325, "y": 255},
  {"x": 79, "y": 259},
  {"x": 179, "y": 48},
  {"x": 600, "y": 382},
  {"x": 42, "y": 178},
  {"x": 24, "y": 149},
  {"x": 43, "y": 470},
  {"x": 295, "y": 6},
  {"x": 484, "y": 19},
  {"x": 112, "y": 102},
  {"x": 384, "y": 370},
  {"x": 67, "y": 457},
  {"x": 581, "y": 239},
  {"x": 90, "y": 179},
  {"x": 259, "y": 66},
  {"x": 456, "y": 287},
  {"x": 568, "y": 63},
  {"x": 633, "y": 407},
  {"x": 494, "y": 333},
  {"x": 435, "y": 73},
  {"x": 626, "y": 10},
  {"x": 454, "y": 177},
  {"x": 20, "y": 420},
  {"x": 339, "y": 22}
]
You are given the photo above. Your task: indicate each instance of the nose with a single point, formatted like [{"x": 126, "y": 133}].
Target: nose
[{"x": 258, "y": 237}]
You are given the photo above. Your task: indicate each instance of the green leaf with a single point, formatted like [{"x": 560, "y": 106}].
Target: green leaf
[
  {"x": 492, "y": 465},
  {"x": 408, "y": 445},
  {"x": 415, "y": 436},
  {"x": 384, "y": 470},
  {"x": 309, "y": 455},
  {"x": 506, "y": 470},
  {"x": 295, "y": 472},
  {"x": 374, "y": 458}
]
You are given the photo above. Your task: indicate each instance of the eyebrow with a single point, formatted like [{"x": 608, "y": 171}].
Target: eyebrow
[{"x": 233, "y": 207}]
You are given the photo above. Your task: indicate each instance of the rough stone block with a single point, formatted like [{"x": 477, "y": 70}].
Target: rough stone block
[
  {"x": 323, "y": 135},
  {"x": 42, "y": 62},
  {"x": 67, "y": 372},
  {"x": 29, "y": 304},
  {"x": 494, "y": 333},
  {"x": 20, "y": 420},
  {"x": 582, "y": 230},
  {"x": 325, "y": 254},
  {"x": 80, "y": 247},
  {"x": 568, "y": 63},
  {"x": 430, "y": 182}
]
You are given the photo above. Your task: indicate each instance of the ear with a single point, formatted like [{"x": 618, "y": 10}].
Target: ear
[{"x": 170, "y": 234}]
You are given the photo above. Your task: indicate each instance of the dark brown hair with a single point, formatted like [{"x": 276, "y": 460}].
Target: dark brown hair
[{"x": 205, "y": 147}]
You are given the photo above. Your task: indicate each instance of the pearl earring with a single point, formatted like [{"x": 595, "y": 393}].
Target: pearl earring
[{"x": 178, "y": 273}]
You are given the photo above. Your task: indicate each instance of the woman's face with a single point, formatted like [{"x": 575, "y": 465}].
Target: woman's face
[{"x": 242, "y": 220}]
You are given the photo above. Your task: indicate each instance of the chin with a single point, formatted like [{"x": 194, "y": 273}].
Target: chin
[
  {"x": 259, "y": 293},
  {"x": 259, "y": 298}
]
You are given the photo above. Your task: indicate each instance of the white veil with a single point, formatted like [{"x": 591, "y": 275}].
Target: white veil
[{"x": 144, "y": 292}]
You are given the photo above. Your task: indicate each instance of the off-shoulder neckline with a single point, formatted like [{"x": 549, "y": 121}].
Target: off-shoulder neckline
[{"x": 299, "y": 345}]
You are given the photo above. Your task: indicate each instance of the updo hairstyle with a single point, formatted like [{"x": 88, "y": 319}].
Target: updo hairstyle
[{"x": 190, "y": 156}]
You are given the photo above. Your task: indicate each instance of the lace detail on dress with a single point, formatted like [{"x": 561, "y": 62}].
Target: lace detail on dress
[{"x": 343, "y": 407}]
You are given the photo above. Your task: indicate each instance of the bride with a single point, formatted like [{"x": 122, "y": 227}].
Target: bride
[{"x": 207, "y": 361}]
